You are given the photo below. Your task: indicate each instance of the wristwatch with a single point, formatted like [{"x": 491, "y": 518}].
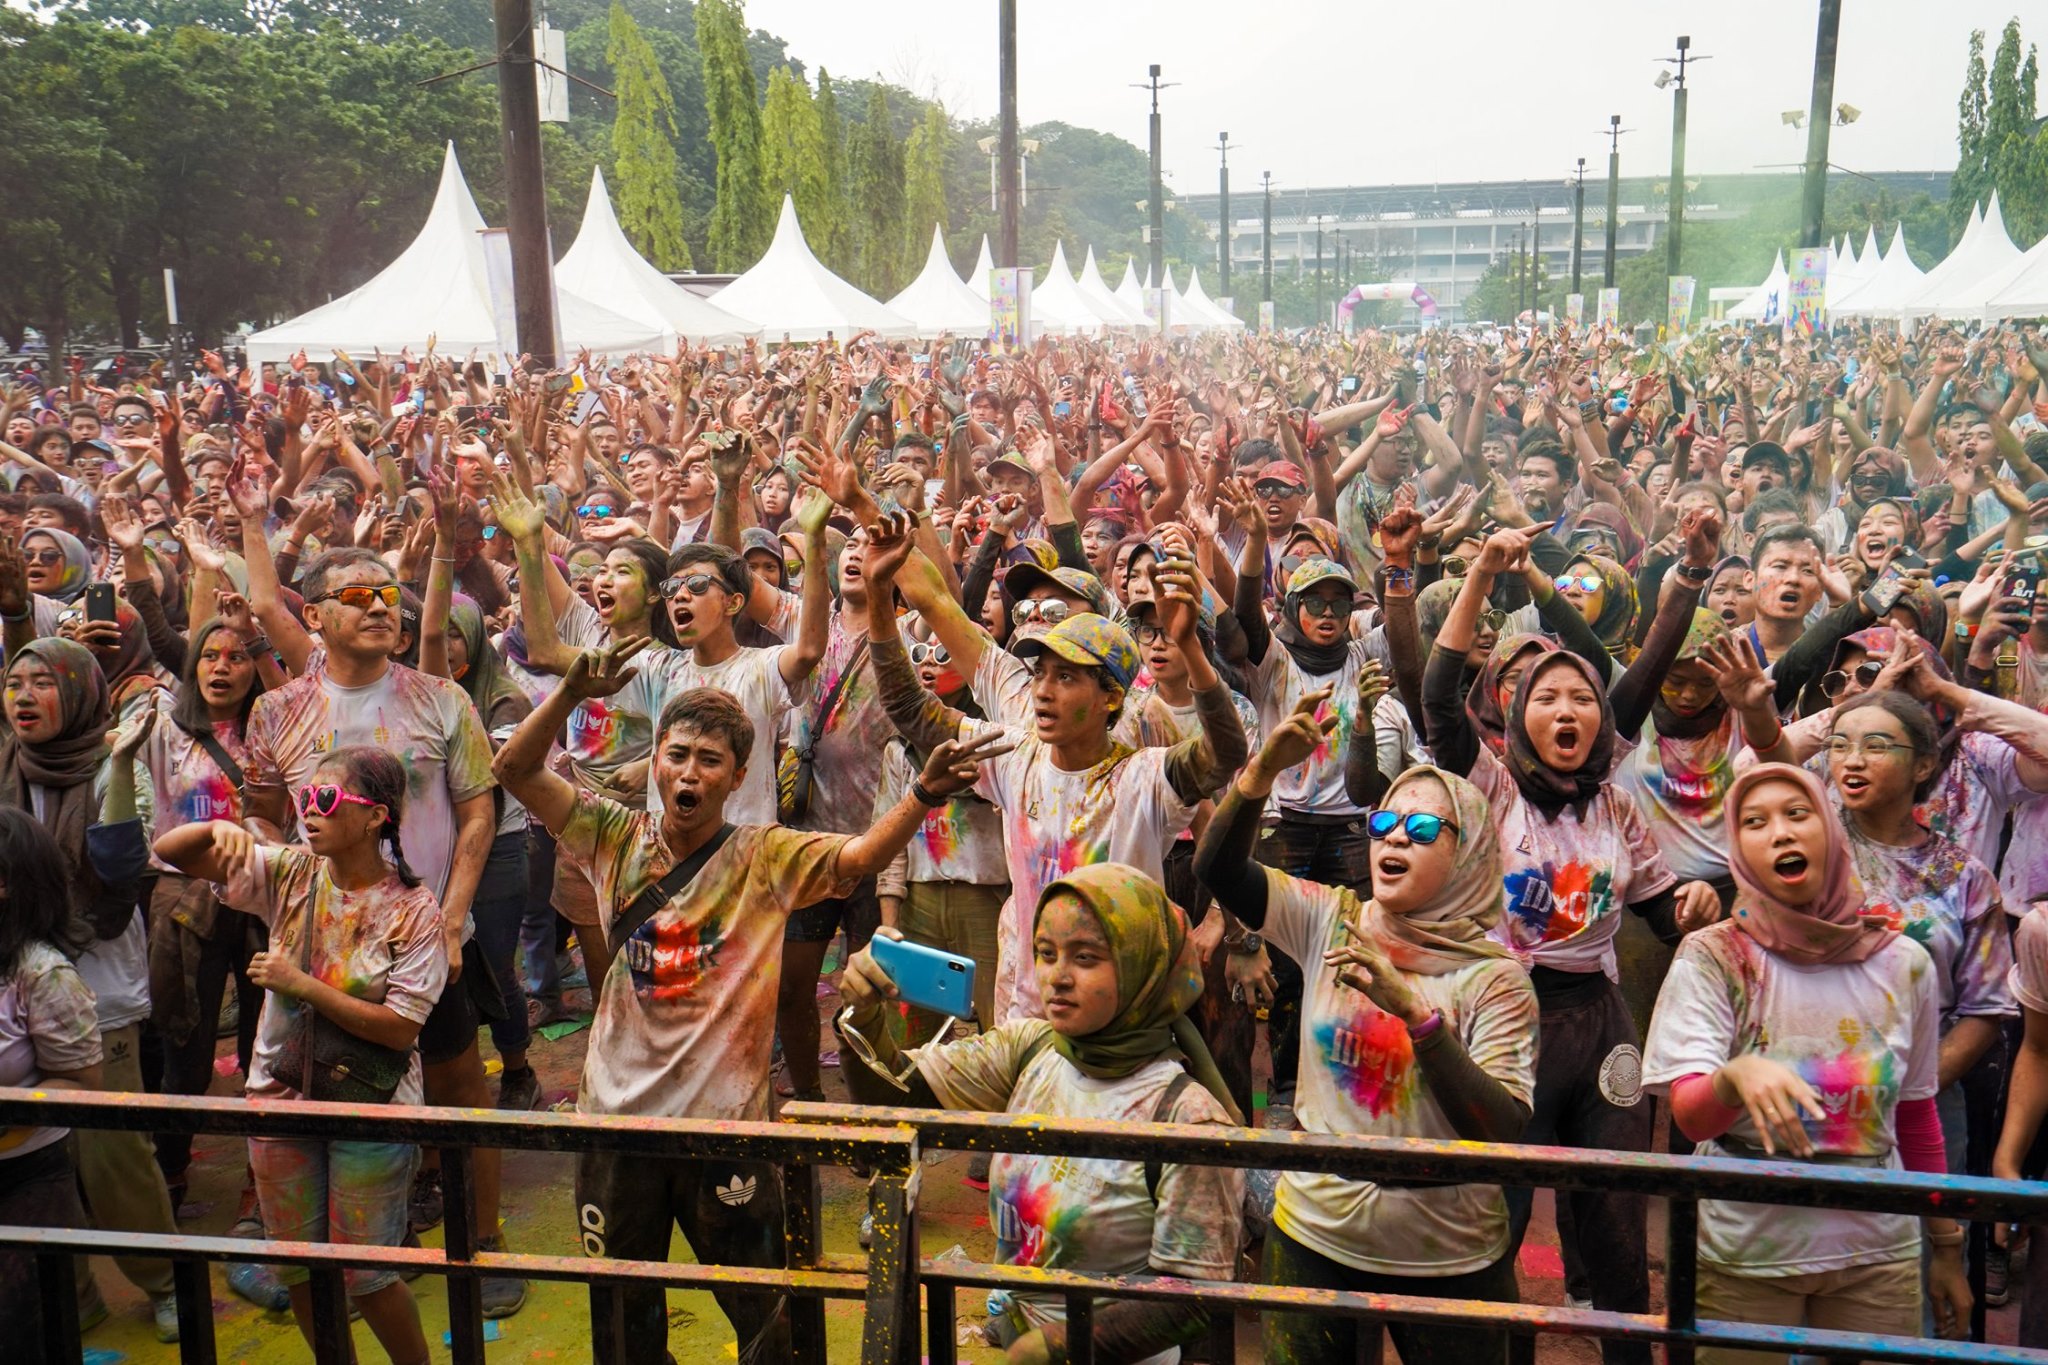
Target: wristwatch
[
  {"x": 1248, "y": 943},
  {"x": 1693, "y": 575}
]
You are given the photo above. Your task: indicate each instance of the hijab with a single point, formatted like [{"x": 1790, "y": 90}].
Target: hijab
[
  {"x": 1611, "y": 519},
  {"x": 1616, "y": 623},
  {"x": 1433, "y": 606},
  {"x": 1482, "y": 703},
  {"x": 485, "y": 679},
  {"x": 1833, "y": 928},
  {"x": 1451, "y": 931},
  {"x": 64, "y": 765},
  {"x": 132, "y": 669},
  {"x": 1707, "y": 629},
  {"x": 1313, "y": 659},
  {"x": 1542, "y": 786},
  {"x": 1158, "y": 977},
  {"x": 77, "y": 562}
]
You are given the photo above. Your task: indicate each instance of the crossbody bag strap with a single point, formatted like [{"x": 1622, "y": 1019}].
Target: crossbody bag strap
[
  {"x": 660, "y": 893},
  {"x": 830, "y": 700},
  {"x": 225, "y": 761}
]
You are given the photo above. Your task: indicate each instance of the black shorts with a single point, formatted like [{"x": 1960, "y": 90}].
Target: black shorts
[
  {"x": 462, "y": 1009},
  {"x": 860, "y": 912}
]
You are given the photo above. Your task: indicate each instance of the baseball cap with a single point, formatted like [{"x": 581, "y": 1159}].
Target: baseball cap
[
  {"x": 1767, "y": 451},
  {"x": 1318, "y": 569},
  {"x": 1282, "y": 471},
  {"x": 1092, "y": 641},
  {"x": 1020, "y": 579},
  {"x": 1014, "y": 461}
]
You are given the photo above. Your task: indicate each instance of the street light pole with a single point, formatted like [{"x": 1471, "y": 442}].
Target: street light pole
[
  {"x": 526, "y": 212},
  {"x": 1006, "y": 150},
  {"x": 1813, "y": 205},
  {"x": 1158, "y": 187},
  {"x": 1223, "y": 215},
  {"x": 1266, "y": 243},
  {"x": 1521, "y": 275},
  {"x": 1674, "y": 247},
  {"x": 1578, "y": 222},
  {"x": 1319, "y": 268},
  {"x": 1614, "y": 132}
]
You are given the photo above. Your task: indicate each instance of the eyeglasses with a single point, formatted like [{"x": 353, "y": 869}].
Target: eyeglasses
[
  {"x": 164, "y": 545},
  {"x": 933, "y": 653},
  {"x": 1870, "y": 746},
  {"x": 45, "y": 555},
  {"x": 865, "y": 1050},
  {"x": 363, "y": 598},
  {"x": 1493, "y": 619},
  {"x": 696, "y": 584},
  {"x": 1049, "y": 610},
  {"x": 325, "y": 798},
  {"x": 594, "y": 509},
  {"x": 1835, "y": 682},
  {"x": 1422, "y": 828},
  {"x": 1148, "y": 634},
  {"x": 1585, "y": 581},
  {"x": 1326, "y": 606},
  {"x": 131, "y": 419},
  {"x": 1273, "y": 488},
  {"x": 490, "y": 533}
]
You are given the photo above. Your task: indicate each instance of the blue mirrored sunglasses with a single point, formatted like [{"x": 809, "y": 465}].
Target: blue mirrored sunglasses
[{"x": 1423, "y": 829}]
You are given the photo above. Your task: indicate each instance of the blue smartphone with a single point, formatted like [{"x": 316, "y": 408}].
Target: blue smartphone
[{"x": 926, "y": 977}]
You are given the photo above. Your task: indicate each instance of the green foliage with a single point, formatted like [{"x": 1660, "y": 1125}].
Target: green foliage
[
  {"x": 793, "y": 155},
  {"x": 2000, "y": 145},
  {"x": 925, "y": 161},
  {"x": 874, "y": 158},
  {"x": 741, "y": 216},
  {"x": 833, "y": 241},
  {"x": 650, "y": 206}
]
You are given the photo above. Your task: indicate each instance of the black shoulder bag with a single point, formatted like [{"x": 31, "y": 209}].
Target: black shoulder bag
[
  {"x": 657, "y": 894},
  {"x": 324, "y": 1061}
]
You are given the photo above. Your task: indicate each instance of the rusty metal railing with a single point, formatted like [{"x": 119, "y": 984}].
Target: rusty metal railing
[{"x": 1682, "y": 1181}]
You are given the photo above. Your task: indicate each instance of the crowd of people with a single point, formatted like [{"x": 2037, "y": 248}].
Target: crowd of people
[{"x": 1350, "y": 683}]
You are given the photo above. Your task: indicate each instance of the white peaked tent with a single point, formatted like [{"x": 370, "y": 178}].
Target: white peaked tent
[
  {"x": 1199, "y": 302},
  {"x": 1058, "y": 306},
  {"x": 1942, "y": 275},
  {"x": 601, "y": 264},
  {"x": 1766, "y": 303},
  {"x": 977, "y": 278},
  {"x": 1885, "y": 292},
  {"x": 2021, "y": 289},
  {"x": 1846, "y": 268},
  {"x": 1956, "y": 287},
  {"x": 1179, "y": 316},
  {"x": 1097, "y": 291},
  {"x": 936, "y": 301},
  {"x": 793, "y": 295},
  {"x": 1131, "y": 293},
  {"x": 440, "y": 287}
]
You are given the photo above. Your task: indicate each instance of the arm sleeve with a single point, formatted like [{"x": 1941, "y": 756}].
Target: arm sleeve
[
  {"x": 918, "y": 715},
  {"x": 1636, "y": 690},
  {"x": 1698, "y": 1111},
  {"x": 1921, "y": 1147},
  {"x": 164, "y": 642},
  {"x": 1224, "y": 862},
  {"x": 1452, "y": 741},
  {"x": 1810, "y": 653},
  {"x": 980, "y": 575},
  {"x": 1562, "y": 619},
  {"x": 1066, "y": 542},
  {"x": 1249, "y": 605},
  {"x": 1478, "y": 1107}
]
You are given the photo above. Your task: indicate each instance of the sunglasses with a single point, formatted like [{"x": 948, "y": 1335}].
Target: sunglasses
[
  {"x": 1326, "y": 606},
  {"x": 1050, "y": 610},
  {"x": 1585, "y": 581},
  {"x": 1456, "y": 566},
  {"x": 490, "y": 533},
  {"x": 363, "y": 598},
  {"x": 1273, "y": 488},
  {"x": 1493, "y": 619},
  {"x": 696, "y": 584},
  {"x": 1835, "y": 682},
  {"x": 164, "y": 545},
  {"x": 131, "y": 419},
  {"x": 1422, "y": 829},
  {"x": 325, "y": 798},
  {"x": 933, "y": 653},
  {"x": 594, "y": 509},
  {"x": 42, "y": 556}
]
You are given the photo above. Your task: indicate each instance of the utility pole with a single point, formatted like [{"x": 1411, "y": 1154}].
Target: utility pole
[
  {"x": 1813, "y": 205},
  {"x": 1223, "y": 215},
  {"x": 1158, "y": 187},
  {"x": 1674, "y": 246},
  {"x": 526, "y": 211},
  {"x": 1006, "y": 150},
  {"x": 1614, "y": 132},
  {"x": 1266, "y": 243},
  {"x": 1578, "y": 222},
  {"x": 1319, "y": 268},
  {"x": 1535, "y": 253}
]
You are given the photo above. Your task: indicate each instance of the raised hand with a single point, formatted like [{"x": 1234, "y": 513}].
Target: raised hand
[
  {"x": 199, "y": 548},
  {"x": 955, "y": 764},
  {"x": 128, "y": 742},
  {"x": 124, "y": 528},
  {"x": 1296, "y": 738},
  {"x": 1738, "y": 673},
  {"x": 519, "y": 514},
  {"x": 602, "y": 672},
  {"x": 889, "y": 547},
  {"x": 1364, "y": 968},
  {"x": 14, "y": 594}
]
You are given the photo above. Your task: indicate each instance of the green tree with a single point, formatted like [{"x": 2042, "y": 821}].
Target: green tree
[
  {"x": 742, "y": 218},
  {"x": 833, "y": 240},
  {"x": 644, "y": 143},
  {"x": 925, "y": 159},
  {"x": 1972, "y": 173},
  {"x": 2000, "y": 145},
  {"x": 875, "y": 198},
  {"x": 793, "y": 154}
]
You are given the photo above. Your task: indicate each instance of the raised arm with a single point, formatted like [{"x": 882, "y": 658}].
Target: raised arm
[
  {"x": 521, "y": 762},
  {"x": 799, "y": 659},
  {"x": 522, "y": 518}
]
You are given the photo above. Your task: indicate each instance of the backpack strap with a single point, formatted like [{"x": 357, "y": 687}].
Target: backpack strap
[{"x": 1163, "y": 1113}]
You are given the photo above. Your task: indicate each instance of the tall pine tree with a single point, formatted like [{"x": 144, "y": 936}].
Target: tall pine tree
[
  {"x": 650, "y": 201},
  {"x": 742, "y": 219},
  {"x": 833, "y": 239},
  {"x": 926, "y": 158},
  {"x": 793, "y": 154},
  {"x": 1972, "y": 170},
  {"x": 1997, "y": 148},
  {"x": 875, "y": 198}
]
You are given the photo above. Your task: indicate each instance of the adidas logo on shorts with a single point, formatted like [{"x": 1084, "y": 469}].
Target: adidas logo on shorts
[{"x": 739, "y": 1191}]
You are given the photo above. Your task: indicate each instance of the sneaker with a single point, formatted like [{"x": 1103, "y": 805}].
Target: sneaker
[
  {"x": 230, "y": 1016},
  {"x": 1574, "y": 1301},
  {"x": 977, "y": 1170},
  {"x": 503, "y": 1295},
  {"x": 867, "y": 1231},
  {"x": 1997, "y": 1276},
  {"x": 426, "y": 1200},
  {"x": 259, "y": 1285},
  {"x": 165, "y": 1310},
  {"x": 519, "y": 1089}
]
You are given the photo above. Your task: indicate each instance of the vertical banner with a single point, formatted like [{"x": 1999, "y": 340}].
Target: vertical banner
[
  {"x": 1678, "y": 312},
  {"x": 1228, "y": 303},
  {"x": 1575, "y": 309},
  {"x": 1806, "y": 310},
  {"x": 1265, "y": 315},
  {"x": 1609, "y": 306},
  {"x": 1159, "y": 308},
  {"x": 1009, "y": 307},
  {"x": 551, "y": 45}
]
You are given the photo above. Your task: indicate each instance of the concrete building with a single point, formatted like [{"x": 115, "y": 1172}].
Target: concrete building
[{"x": 1443, "y": 236}]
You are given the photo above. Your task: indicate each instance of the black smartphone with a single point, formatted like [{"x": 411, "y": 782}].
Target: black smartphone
[
  {"x": 466, "y": 414},
  {"x": 2024, "y": 581},
  {"x": 99, "y": 601}
]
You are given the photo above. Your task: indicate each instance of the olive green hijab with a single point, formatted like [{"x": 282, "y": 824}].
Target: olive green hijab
[{"x": 1158, "y": 977}]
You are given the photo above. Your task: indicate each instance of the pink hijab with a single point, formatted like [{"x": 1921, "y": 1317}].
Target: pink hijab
[{"x": 1833, "y": 928}]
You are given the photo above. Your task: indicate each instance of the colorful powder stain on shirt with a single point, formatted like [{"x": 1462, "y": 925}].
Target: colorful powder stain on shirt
[
  {"x": 1550, "y": 903},
  {"x": 944, "y": 830},
  {"x": 1035, "y": 1225},
  {"x": 1372, "y": 1057},
  {"x": 1858, "y": 1086},
  {"x": 668, "y": 960}
]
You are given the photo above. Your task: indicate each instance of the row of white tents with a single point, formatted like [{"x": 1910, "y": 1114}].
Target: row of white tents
[
  {"x": 453, "y": 284},
  {"x": 1985, "y": 278}
]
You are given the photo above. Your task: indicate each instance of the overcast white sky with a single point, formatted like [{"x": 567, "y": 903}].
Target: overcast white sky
[{"x": 1324, "y": 92}]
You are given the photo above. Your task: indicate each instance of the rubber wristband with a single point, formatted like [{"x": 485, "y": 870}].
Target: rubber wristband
[
  {"x": 1428, "y": 1026},
  {"x": 924, "y": 797}
]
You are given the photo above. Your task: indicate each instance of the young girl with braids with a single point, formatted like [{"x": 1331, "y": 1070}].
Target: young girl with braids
[{"x": 375, "y": 967}]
